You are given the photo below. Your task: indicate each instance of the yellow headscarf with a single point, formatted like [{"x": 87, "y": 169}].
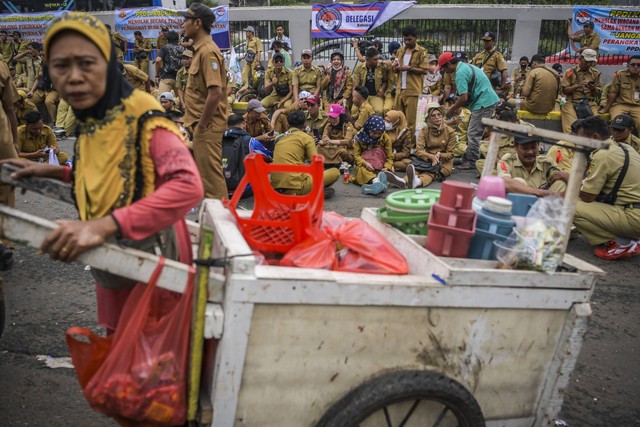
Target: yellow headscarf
[{"x": 399, "y": 121}]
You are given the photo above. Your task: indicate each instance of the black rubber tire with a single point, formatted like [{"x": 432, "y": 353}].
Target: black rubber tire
[{"x": 395, "y": 387}]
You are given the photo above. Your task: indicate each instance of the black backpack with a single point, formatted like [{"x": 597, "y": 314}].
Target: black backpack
[
  {"x": 172, "y": 59},
  {"x": 233, "y": 154}
]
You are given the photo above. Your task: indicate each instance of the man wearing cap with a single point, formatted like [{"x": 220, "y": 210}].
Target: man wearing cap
[
  {"x": 205, "y": 99},
  {"x": 580, "y": 84},
  {"x": 624, "y": 92},
  {"x": 277, "y": 80},
  {"x": 540, "y": 89},
  {"x": 6, "y": 47},
  {"x": 609, "y": 221},
  {"x": 183, "y": 74},
  {"x": 372, "y": 74},
  {"x": 142, "y": 51},
  {"x": 19, "y": 80},
  {"x": 524, "y": 172},
  {"x": 168, "y": 102},
  {"x": 254, "y": 44},
  {"x": 278, "y": 48},
  {"x": 474, "y": 87},
  {"x": 258, "y": 124},
  {"x": 518, "y": 77},
  {"x": 490, "y": 60},
  {"x": 410, "y": 66},
  {"x": 449, "y": 79},
  {"x": 589, "y": 39},
  {"x": 119, "y": 42},
  {"x": 622, "y": 127},
  {"x": 162, "y": 39},
  {"x": 316, "y": 119},
  {"x": 392, "y": 78},
  {"x": 283, "y": 40},
  {"x": 306, "y": 77}
]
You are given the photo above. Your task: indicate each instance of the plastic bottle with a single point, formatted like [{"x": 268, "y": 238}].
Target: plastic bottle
[{"x": 518, "y": 102}]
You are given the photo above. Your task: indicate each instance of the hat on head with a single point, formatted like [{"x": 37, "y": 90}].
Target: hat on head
[
  {"x": 306, "y": 52},
  {"x": 250, "y": 28},
  {"x": 335, "y": 110},
  {"x": 623, "y": 121},
  {"x": 167, "y": 95},
  {"x": 520, "y": 140},
  {"x": 304, "y": 95},
  {"x": 588, "y": 24},
  {"x": 393, "y": 46},
  {"x": 201, "y": 12},
  {"x": 445, "y": 58},
  {"x": 589, "y": 55},
  {"x": 255, "y": 105},
  {"x": 188, "y": 53},
  {"x": 164, "y": 28},
  {"x": 431, "y": 57},
  {"x": 278, "y": 56},
  {"x": 557, "y": 67},
  {"x": 489, "y": 36},
  {"x": 313, "y": 99}
]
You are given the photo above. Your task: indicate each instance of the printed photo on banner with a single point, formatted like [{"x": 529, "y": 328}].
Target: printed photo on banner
[
  {"x": 619, "y": 29},
  {"x": 347, "y": 20}
]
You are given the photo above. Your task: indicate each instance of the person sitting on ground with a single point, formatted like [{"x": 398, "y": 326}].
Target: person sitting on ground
[
  {"x": 524, "y": 172},
  {"x": 136, "y": 77},
  {"x": 562, "y": 153},
  {"x": 434, "y": 147},
  {"x": 623, "y": 96},
  {"x": 622, "y": 128},
  {"x": 540, "y": 89},
  {"x": 316, "y": 119},
  {"x": 373, "y": 156},
  {"x": 336, "y": 144},
  {"x": 35, "y": 139},
  {"x": 277, "y": 83},
  {"x": 337, "y": 81},
  {"x": 364, "y": 109},
  {"x": 258, "y": 124},
  {"x": 19, "y": 80},
  {"x": 168, "y": 102},
  {"x": 397, "y": 128},
  {"x": 459, "y": 121},
  {"x": 279, "y": 117},
  {"x": 296, "y": 147},
  {"x": 433, "y": 79},
  {"x": 23, "y": 106},
  {"x": 609, "y": 221}
]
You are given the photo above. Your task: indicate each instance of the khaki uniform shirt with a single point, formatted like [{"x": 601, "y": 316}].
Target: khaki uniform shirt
[
  {"x": 207, "y": 70},
  {"x": 117, "y": 38},
  {"x": 255, "y": 44},
  {"x": 31, "y": 66},
  {"x": 414, "y": 81},
  {"x": 364, "y": 112},
  {"x": 591, "y": 41},
  {"x": 428, "y": 142},
  {"x": 28, "y": 143},
  {"x": 143, "y": 44},
  {"x": 258, "y": 127},
  {"x": 161, "y": 41},
  {"x": 542, "y": 87},
  {"x": 6, "y": 50},
  {"x": 344, "y": 134},
  {"x": 604, "y": 169},
  {"x": 495, "y": 62},
  {"x": 574, "y": 76},
  {"x": 627, "y": 87},
  {"x": 518, "y": 77},
  {"x": 20, "y": 81},
  {"x": 511, "y": 166},
  {"x": 181, "y": 78},
  {"x": 318, "y": 124},
  {"x": 307, "y": 79},
  {"x": 360, "y": 76},
  {"x": 562, "y": 155},
  {"x": 136, "y": 77},
  {"x": 293, "y": 148},
  {"x": 26, "y": 107},
  {"x": 449, "y": 79},
  {"x": 21, "y": 47},
  {"x": 285, "y": 76},
  {"x": 633, "y": 141},
  {"x": 8, "y": 96}
]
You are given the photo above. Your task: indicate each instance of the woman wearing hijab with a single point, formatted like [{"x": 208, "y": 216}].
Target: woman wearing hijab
[
  {"x": 432, "y": 84},
  {"x": 397, "y": 128},
  {"x": 336, "y": 144},
  {"x": 131, "y": 164},
  {"x": 337, "y": 83},
  {"x": 436, "y": 143},
  {"x": 373, "y": 156}
]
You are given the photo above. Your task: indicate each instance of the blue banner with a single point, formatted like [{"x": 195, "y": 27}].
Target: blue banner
[
  {"x": 348, "y": 20},
  {"x": 33, "y": 26},
  {"x": 619, "y": 29},
  {"x": 149, "y": 21}
]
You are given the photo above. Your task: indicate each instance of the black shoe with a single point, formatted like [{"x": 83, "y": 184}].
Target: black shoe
[
  {"x": 6, "y": 258},
  {"x": 329, "y": 193},
  {"x": 465, "y": 166}
]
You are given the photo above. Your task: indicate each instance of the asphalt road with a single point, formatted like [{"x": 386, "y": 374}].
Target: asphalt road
[{"x": 44, "y": 298}]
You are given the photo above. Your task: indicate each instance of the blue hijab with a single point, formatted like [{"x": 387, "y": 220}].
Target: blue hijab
[{"x": 375, "y": 123}]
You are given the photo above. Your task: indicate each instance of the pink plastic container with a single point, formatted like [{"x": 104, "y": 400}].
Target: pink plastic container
[
  {"x": 491, "y": 186},
  {"x": 455, "y": 194}
]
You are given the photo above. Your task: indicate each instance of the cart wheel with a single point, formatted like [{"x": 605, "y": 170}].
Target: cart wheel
[{"x": 407, "y": 398}]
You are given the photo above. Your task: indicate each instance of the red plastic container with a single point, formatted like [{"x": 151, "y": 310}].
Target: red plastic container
[
  {"x": 450, "y": 217},
  {"x": 445, "y": 240},
  {"x": 455, "y": 194}
]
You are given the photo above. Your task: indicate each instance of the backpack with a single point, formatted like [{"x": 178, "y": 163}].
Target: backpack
[
  {"x": 233, "y": 154},
  {"x": 172, "y": 59}
]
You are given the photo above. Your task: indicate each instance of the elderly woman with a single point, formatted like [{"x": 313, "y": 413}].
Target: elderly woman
[
  {"x": 131, "y": 163},
  {"x": 397, "y": 128},
  {"x": 373, "y": 156}
]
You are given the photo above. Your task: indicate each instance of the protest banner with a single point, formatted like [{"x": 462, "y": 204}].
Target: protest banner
[
  {"x": 352, "y": 20},
  {"x": 619, "y": 29},
  {"x": 32, "y": 26}
]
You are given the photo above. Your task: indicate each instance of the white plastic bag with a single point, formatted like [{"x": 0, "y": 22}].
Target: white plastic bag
[{"x": 53, "y": 159}]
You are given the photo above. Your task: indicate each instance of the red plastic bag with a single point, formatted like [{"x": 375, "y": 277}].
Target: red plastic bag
[
  {"x": 143, "y": 377},
  {"x": 352, "y": 246}
]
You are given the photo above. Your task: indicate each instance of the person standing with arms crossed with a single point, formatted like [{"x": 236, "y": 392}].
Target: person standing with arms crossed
[{"x": 205, "y": 99}]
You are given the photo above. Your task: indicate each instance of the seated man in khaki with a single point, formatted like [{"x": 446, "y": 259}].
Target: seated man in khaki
[
  {"x": 540, "y": 89},
  {"x": 23, "y": 106},
  {"x": 364, "y": 109},
  {"x": 525, "y": 173},
  {"x": 296, "y": 147},
  {"x": 35, "y": 139}
]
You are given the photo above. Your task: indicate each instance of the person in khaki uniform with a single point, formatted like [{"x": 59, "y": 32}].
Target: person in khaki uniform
[
  {"x": 524, "y": 172},
  {"x": 66, "y": 119},
  {"x": 315, "y": 119},
  {"x": 278, "y": 80},
  {"x": 411, "y": 65},
  {"x": 589, "y": 39},
  {"x": 6, "y": 47},
  {"x": 540, "y": 89},
  {"x": 30, "y": 61},
  {"x": 372, "y": 74},
  {"x": 183, "y": 74},
  {"x": 35, "y": 139},
  {"x": 19, "y": 47},
  {"x": 258, "y": 124},
  {"x": 254, "y": 44},
  {"x": 142, "y": 51},
  {"x": 580, "y": 84},
  {"x": 23, "y": 106},
  {"x": 19, "y": 80},
  {"x": 138, "y": 78},
  {"x": 624, "y": 93},
  {"x": 459, "y": 121},
  {"x": 518, "y": 77},
  {"x": 392, "y": 78},
  {"x": 162, "y": 39},
  {"x": 490, "y": 60},
  {"x": 119, "y": 42},
  {"x": 43, "y": 93},
  {"x": 613, "y": 222},
  {"x": 396, "y": 127},
  {"x": 336, "y": 144},
  {"x": 364, "y": 110},
  {"x": 296, "y": 147},
  {"x": 622, "y": 127},
  {"x": 306, "y": 77},
  {"x": 205, "y": 99}
]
